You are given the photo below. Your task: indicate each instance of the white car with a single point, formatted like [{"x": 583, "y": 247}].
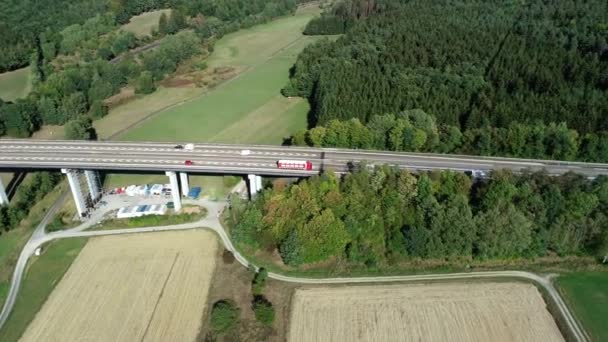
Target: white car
[{"x": 245, "y": 152}]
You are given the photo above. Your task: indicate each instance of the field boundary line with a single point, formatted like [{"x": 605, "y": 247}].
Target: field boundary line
[{"x": 160, "y": 296}]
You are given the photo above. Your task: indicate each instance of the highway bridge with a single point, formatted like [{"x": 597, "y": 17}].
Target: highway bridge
[{"x": 251, "y": 160}]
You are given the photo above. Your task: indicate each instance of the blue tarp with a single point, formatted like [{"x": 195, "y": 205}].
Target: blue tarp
[{"x": 194, "y": 192}]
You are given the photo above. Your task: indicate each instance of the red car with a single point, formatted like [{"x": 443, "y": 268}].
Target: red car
[{"x": 188, "y": 162}]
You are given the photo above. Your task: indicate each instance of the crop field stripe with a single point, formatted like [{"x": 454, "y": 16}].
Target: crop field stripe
[
  {"x": 457, "y": 311},
  {"x": 162, "y": 291},
  {"x": 122, "y": 287}
]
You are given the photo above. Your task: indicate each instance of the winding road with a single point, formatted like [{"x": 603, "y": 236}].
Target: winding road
[{"x": 211, "y": 222}]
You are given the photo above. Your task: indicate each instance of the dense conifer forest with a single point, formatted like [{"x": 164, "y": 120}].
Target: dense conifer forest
[{"x": 468, "y": 63}]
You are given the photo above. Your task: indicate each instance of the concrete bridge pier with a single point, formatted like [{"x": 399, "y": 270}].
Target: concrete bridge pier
[
  {"x": 258, "y": 183},
  {"x": 94, "y": 184},
  {"x": 76, "y": 190},
  {"x": 177, "y": 199},
  {"x": 183, "y": 177},
  {"x": 3, "y": 196},
  {"x": 252, "y": 186},
  {"x": 255, "y": 185}
]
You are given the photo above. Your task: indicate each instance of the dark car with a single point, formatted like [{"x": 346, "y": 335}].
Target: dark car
[{"x": 179, "y": 147}]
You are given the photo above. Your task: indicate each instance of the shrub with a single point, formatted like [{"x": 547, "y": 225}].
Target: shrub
[
  {"x": 224, "y": 316},
  {"x": 145, "y": 83},
  {"x": 264, "y": 312},
  {"x": 259, "y": 282}
]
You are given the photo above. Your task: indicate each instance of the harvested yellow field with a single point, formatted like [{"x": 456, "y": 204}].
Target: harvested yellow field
[
  {"x": 437, "y": 312},
  {"x": 140, "y": 287}
]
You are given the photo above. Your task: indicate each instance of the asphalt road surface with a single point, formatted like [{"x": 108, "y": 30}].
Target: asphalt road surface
[{"x": 18, "y": 154}]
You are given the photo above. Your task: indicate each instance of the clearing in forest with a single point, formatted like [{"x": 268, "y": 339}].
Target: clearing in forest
[
  {"x": 422, "y": 312},
  {"x": 143, "y": 24},
  {"x": 15, "y": 84},
  {"x": 144, "y": 287}
]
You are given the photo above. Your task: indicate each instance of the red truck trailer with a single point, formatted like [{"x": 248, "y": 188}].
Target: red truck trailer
[{"x": 294, "y": 165}]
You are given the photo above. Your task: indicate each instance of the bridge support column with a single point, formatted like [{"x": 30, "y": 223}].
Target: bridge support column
[
  {"x": 93, "y": 183},
  {"x": 258, "y": 183},
  {"x": 177, "y": 200},
  {"x": 253, "y": 185},
  {"x": 183, "y": 177},
  {"x": 3, "y": 196},
  {"x": 76, "y": 190}
]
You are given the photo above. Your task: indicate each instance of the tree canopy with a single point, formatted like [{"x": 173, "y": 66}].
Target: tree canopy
[
  {"x": 470, "y": 64},
  {"x": 382, "y": 215},
  {"x": 417, "y": 131}
]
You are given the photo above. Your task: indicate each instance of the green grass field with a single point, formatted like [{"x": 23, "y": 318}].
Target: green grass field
[
  {"x": 254, "y": 46},
  {"x": 143, "y": 24},
  {"x": 42, "y": 275},
  {"x": 587, "y": 294},
  {"x": 15, "y": 84},
  {"x": 252, "y": 100},
  {"x": 207, "y": 118}
]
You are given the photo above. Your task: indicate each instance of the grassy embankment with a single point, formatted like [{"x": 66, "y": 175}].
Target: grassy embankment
[
  {"x": 42, "y": 274},
  {"x": 587, "y": 294}
]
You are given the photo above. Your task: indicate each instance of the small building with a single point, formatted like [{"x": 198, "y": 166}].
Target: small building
[
  {"x": 127, "y": 212},
  {"x": 141, "y": 210},
  {"x": 157, "y": 209}
]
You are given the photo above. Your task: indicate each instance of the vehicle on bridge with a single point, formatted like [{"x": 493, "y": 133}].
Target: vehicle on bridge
[
  {"x": 187, "y": 147},
  {"x": 188, "y": 162},
  {"x": 294, "y": 164}
]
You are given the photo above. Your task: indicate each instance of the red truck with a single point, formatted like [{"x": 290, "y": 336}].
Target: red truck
[{"x": 294, "y": 165}]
